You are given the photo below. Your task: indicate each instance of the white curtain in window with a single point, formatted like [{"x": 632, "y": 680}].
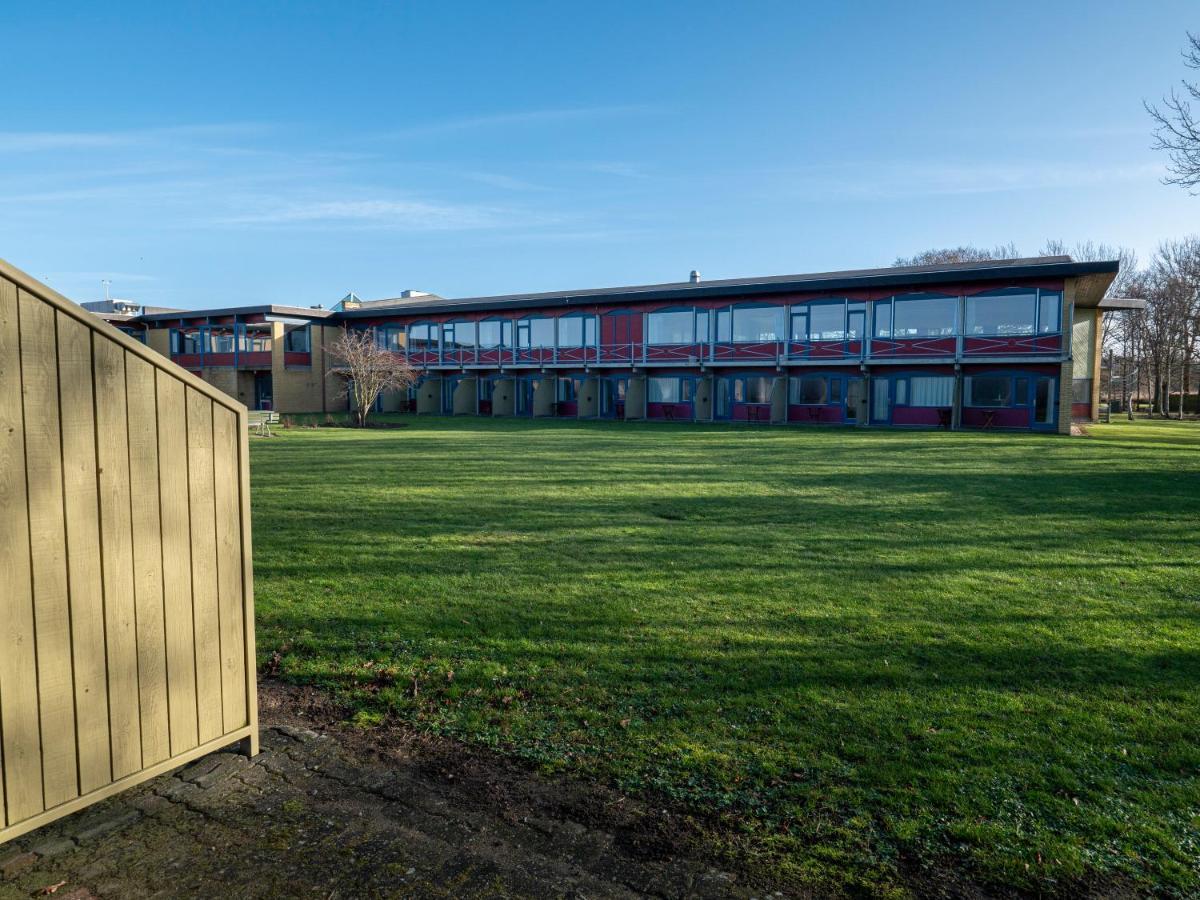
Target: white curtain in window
[{"x": 931, "y": 390}]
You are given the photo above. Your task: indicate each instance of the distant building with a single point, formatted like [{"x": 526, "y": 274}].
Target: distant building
[{"x": 995, "y": 344}]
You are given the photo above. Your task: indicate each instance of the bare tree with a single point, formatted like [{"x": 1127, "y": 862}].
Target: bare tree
[
  {"x": 367, "y": 370},
  {"x": 1177, "y": 128},
  {"x": 966, "y": 253}
]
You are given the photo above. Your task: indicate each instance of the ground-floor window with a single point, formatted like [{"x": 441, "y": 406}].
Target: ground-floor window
[
  {"x": 669, "y": 390},
  {"x": 989, "y": 390},
  {"x": 750, "y": 389},
  {"x": 566, "y": 390},
  {"x": 815, "y": 390},
  {"x": 925, "y": 390},
  {"x": 486, "y": 386},
  {"x": 1081, "y": 390}
]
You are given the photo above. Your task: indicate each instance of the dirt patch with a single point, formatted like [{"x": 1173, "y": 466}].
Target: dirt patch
[{"x": 328, "y": 810}]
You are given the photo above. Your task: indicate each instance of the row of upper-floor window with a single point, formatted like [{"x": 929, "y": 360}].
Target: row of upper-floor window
[
  {"x": 209, "y": 339},
  {"x": 1003, "y": 313}
]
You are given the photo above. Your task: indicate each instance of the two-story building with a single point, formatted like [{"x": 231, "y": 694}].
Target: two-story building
[{"x": 996, "y": 344}]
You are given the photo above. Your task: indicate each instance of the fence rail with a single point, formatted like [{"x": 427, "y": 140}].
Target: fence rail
[{"x": 128, "y": 639}]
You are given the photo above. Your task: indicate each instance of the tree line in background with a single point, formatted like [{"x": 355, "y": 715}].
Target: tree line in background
[{"x": 1149, "y": 356}]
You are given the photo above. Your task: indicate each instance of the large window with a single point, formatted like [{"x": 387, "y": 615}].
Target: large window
[
  {"x": 917, "y": 317},
  {"x": 185, "y": 341},
  {"x": 1049, "y": 311},
  {"x": 724, "y": 326},
  {"x": 814, "y": 390},
  {"x": 1002, "y": 314},
  {"x": 827, "y": 321},
  {"x": 296, "y": 340},
  {"x": 930, "y": 390},
  {"x": 669, "y": 390},
  {"x": 754, "y": 324},
  {"x": 458, "y": 335},
  {"x": 537, "y": 332},
  {"x": 752, "y": 389},
  {"x": 422, "y": 336},
  {"x": 882, "y": 310},
  {"x": 989, "y": 390},
  {"x": 495, "y": 333},
  {"x": 577, "y": 331},
  {"x": 671, "y": 326},
  {"x": 219, "y": 341},
  {"x": 388, "y": 337},
  {"x": 1081, "y": 390}
]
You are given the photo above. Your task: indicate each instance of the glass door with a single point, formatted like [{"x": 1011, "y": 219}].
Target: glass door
[
  {"x": 723, "y": 408},
  {"x": 262, "y": 390},
  {"x": 854, "y": 398},
  {"x": 1043, "y": 403},
  {"x": 881, "y": 406}
]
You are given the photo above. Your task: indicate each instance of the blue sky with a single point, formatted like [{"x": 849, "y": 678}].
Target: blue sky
[{"x": 228, "y": 153}]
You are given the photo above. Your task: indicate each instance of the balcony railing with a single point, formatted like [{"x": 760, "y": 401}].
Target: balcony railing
[{"x": 942, "y": 348}]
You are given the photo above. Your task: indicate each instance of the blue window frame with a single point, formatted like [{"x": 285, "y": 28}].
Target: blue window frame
[
  {"x": 670, "y": 389},
  {"x": 757, "y": 324},
  {"x": 576, "y": 331},
  {"x": 495, "y": 333},
  {"x": 827, "y": 320},
  {"x": 1014, "y": 312},
  {"x": 296, "y": 340},
  {"x": 994, "y": 391},
  {"x": 924, "y": 315},
  {"x": 568, "y": 388},
  {"x": 671, "y": 326},
  {"x": 423, "y": 336},
  {"x": 814, "y": 390},
  {"x": 458, "y": 335},
  {"x": 535, "y": 331},
  {"x": 389, "y": 337}
]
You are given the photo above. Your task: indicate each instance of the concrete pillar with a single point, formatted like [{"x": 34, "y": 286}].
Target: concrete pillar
[
  {"x": 503, "y": 397},
  {"x": 544, "y": 396},
  {"x": 704, "y": 398},
  {"x": 429, "y": 396},
  {"x": 465, "y": 394},
  {"x": 589, "y": 398}
]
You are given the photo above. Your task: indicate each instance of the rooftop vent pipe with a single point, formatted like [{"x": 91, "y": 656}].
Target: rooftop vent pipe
[{"x": 694, "y": 278}]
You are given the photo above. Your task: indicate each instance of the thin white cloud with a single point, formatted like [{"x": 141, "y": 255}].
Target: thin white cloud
[
  {"x": 899, "y": 179},
  {"x": 45, "y": 141},
  {"x": 527, "y": 117},
  {"x": 405, "y": 215}
]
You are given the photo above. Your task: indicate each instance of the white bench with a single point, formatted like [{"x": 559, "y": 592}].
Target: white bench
[{"x": 261, "y": 421}]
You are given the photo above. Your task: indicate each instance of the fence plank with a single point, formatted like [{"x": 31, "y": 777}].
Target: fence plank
[
  {"x": 177, "y": 562},
  {"x": 47, "y": 539},
  {"x": 147, "y": 559},
  {"x": 229, "y": 568},
  {"x": 21, "y": 751},
  {"x": 120, "y": 618},
  {"x": 83, "y": 552},
  {"x": 204, "y": 565}
]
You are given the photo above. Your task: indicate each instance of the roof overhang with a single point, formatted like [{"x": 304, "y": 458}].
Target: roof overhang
[
  {"x": 1092, "y": 279},
  {"x": 1121, "y": 303}
]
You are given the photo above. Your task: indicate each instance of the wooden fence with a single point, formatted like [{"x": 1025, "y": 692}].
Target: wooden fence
[{"x": 126, "y": 590}]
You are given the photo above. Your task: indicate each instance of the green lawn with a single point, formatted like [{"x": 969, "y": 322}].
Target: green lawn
[{"x": 880, "y": 655}]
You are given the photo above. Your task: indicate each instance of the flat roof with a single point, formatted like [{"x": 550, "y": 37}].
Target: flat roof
[
  {"x": 269, "y": 310},
  {"x": 891, "y": 276}
]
